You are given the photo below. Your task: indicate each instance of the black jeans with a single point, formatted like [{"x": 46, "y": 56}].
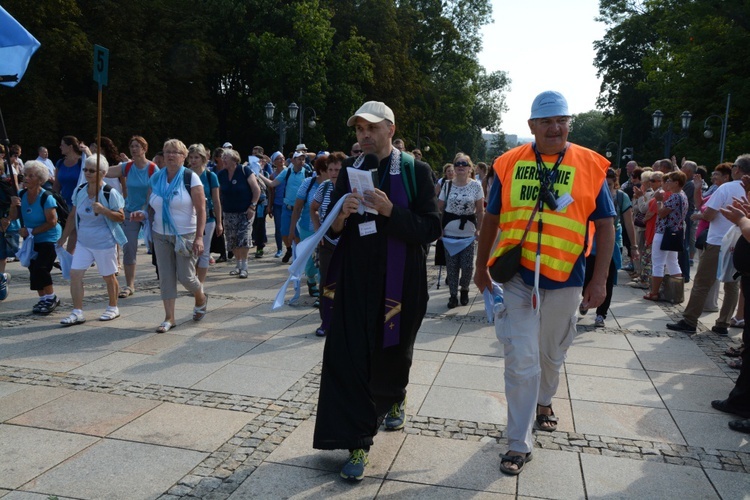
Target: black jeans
[
  {"x": 604, "y": 306},
  {"x": 740, "y": 396}
]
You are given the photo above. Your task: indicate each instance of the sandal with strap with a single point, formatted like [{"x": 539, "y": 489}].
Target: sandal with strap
[
  {"x": 542, "y": 419},
  {"x": 73, "y": 319},
  {"x": 109, "y": 314},
  {"x": 125, "y": 292},
  {"x": 165, "y": 327},
  {"x": 312, "y": 289},
  {"x": 200, "y": 312},
  {"x": 652, "y": 296},
  {"x": 734, "y": 352},
  {"x": 47, "y": 306},
  {"x": 735, "y": 363},
  {"x": 234, "y": 272},
  {"x": 517, "y": 460}
]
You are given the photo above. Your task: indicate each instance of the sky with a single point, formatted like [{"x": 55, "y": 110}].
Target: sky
[{"x": 543, "y": 45}]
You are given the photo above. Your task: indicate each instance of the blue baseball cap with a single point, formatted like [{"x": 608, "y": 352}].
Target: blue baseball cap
[{"x": 549, "y": 103}]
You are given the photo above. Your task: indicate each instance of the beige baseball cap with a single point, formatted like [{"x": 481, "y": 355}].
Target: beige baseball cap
[{"x": 373, "y": 112}]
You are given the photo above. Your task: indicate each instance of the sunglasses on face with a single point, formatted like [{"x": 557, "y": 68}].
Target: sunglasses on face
[
  {"x": 89, "y": 170},
  {"x": 461, "y": 164}
]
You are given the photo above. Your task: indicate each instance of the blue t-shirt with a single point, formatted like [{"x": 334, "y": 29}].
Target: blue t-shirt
[
  {"x": 209, "y": 181},
  {"x": 93, "y": 231},
  {"x": 68, "y": 178},
  {"x": 33, "y": 216},
  {"x": 137, "y": 181},
  {"x": 280, "y": 190},
  {"x": 306, "y": 192},
  {"x": 604, "y": 208},
  {"x": 293, "y": 182}
]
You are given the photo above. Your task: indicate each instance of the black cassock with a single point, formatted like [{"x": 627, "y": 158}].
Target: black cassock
[{"x": 361, "y": 380}]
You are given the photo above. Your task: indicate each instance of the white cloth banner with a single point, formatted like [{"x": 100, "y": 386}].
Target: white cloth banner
[
  {"x": 455, "y": 245},
  {"x": 26, "y": 254},
  {"x": 66, "y": 260},
  {"x": 303, "y": 252}
]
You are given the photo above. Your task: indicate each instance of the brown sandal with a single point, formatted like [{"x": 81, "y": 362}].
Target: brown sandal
[{"x": 652, "y": 296}]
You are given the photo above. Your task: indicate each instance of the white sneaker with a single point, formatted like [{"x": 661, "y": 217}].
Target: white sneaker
[{"x": 599, "y": 321}]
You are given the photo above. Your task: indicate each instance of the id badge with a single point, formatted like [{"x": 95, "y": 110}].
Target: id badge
[
  {"x": 563, "y": 201},
  {"x": 366, "y": 228}
]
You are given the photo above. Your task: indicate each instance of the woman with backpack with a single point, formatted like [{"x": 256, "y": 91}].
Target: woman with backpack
[
  {"x": 239, "y": 200},
  {"x": 95, "y": 217},
  {"x": 134, "y": 175},
  {"x": 301, "y": 218},
  {"x": 178, "y": 205},
  {"x": 197, "y": 160},
  {"x": 38, "y": 216}
]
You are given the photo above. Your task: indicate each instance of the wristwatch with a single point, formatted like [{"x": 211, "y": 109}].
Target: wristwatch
[{"x": 253, "y": 205}]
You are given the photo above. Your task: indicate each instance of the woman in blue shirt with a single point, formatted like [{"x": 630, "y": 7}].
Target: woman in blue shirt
[
  {"x": 39, "y": 219},
  {"x": 134, "y": 175},
  {"x": 95, "y": 217},
  {"x": 197, "y": 160}
]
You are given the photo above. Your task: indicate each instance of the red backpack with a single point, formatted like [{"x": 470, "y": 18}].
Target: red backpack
[{"x": 151, "y": 168}]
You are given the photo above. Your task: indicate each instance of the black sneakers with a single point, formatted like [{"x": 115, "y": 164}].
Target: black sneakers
[{"x": 682, "y": 326}]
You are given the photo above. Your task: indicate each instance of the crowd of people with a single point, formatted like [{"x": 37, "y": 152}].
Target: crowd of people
[{"x": 548, "y": 220}]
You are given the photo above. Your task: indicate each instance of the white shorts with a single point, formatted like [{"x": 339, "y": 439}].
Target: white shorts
[{"x": 106, "y": 259}]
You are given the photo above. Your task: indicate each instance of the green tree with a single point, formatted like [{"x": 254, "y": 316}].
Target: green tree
[
  {"x": 589, "y": 129},
  {"x": 673, "y": 56}
]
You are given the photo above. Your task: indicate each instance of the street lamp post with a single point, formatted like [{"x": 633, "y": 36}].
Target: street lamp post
[
  {"x": 312, "y": 123},
  {"x": 668, "y": 136},
  {"x": 708, "y": 133},
  {"x": 608, "y": 150},
  {"x": 282, "y": 125}
]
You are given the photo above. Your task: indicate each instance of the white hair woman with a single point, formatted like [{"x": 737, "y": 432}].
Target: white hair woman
[
  {"x": 38, "y": 217},
  {"x": 96, "y": 215},
  {"x": 197, "y": 160},
  {"x": 179, "y": 205}
]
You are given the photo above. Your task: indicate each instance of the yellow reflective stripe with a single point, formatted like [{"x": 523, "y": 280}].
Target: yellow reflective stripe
[
  {"x": 549, "y": 241},
  {"x": 551, "y": 262},
  {"x": 549, "y": 218}
]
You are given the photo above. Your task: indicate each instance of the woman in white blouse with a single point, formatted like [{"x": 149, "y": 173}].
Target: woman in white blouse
[
  {"x": 461, "y": 201},
  {"x": 179, "y": 219}
]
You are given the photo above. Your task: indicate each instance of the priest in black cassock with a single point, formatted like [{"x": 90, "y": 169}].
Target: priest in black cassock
[{"x": 379, "y": 276}]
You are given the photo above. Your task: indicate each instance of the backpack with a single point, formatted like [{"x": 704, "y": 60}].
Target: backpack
[
  {"x": 6, "y": 192},
  {"x": 62, "y": 207},
  {"x": 151, "y": 168},
  {"x": 107, "y": 192}
]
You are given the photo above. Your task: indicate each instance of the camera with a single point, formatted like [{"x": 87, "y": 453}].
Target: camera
[{"x": 548, "y": 197}]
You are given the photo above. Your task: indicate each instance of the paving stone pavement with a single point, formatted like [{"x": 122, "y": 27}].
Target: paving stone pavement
[{"x": 225, "y": 408}]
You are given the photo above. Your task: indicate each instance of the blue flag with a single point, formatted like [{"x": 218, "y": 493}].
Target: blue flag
[{"x": 16, "y": 48}]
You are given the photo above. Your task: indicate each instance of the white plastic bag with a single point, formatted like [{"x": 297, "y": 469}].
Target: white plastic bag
[
  {"x": 725, "y": 270},
  {"x": 66, "y": 259},
  {"x": 26, "y": 254}
]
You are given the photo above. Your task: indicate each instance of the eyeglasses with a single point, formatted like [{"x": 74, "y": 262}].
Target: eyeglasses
[
  {"x": 89, "y": 170},
  {"x": 461, "y": 164},
  {"x": 357, "y": 151}
]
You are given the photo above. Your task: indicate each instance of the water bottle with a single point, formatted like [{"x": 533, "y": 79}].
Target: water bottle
[{"x": 499, "y": 307}]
